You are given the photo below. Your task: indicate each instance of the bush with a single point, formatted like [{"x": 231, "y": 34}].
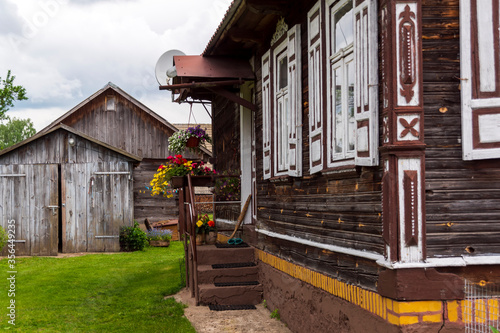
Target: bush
[
  {"x": 3, "y": 238},
  {"x": 132, "y": 238}
]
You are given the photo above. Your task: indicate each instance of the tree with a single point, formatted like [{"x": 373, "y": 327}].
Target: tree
[
  {"x": 12, "y": 130},
  {"x": 15, "y": 130},
  {"x": 9, "y": 93}
]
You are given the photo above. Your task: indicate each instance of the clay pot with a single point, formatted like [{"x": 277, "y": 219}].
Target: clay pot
[
  {"x": 200, "y": 239},
  {"x": 193, "y": 142},
  {"x": 211, "y": 238}
]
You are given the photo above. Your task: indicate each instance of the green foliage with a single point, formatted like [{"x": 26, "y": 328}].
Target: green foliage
[
  {"x": 264, "y": 303},
  {"x": 3, "y": 238},
  {"x": 15, "y": 130},
  {"x": 133, "y": 238},
  {"x": 9, "y": 93},
  {"x": 494, "y": 330},
  {"x": 122, "y": 292},
  {"x": 275, "y": 315}
]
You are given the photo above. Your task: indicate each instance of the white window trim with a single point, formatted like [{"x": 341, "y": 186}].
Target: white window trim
[
  {"x": 347, "y": 53},
  {"x": 280, "y": 96}
]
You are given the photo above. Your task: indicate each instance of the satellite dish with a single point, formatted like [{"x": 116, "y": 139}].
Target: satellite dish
[{"x": 165, "y": 69}]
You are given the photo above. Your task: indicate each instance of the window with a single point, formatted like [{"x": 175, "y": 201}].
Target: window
[
  {"x": 349, "y": 133},
  {"x": 480, "y": 78},
  {"x": 282, "y": 106},
  {"x": 110, "y": 103},
  {"x": 341, "y": 120},
  {"x": 282, "y": 114}
]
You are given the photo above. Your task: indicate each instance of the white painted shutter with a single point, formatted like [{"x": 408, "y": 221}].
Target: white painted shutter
[
  {"x": 480, "y": 78},
  {"x": 266, "y": 114},
  {"x": 366, "y": 82},
  {"x": 315, "y": 87},
  {"x": 295, "y": 101}
]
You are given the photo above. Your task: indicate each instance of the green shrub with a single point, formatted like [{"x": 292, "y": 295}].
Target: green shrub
[
  {"x": 3, "y": 238},
  {"x": 132, "y": 238}
]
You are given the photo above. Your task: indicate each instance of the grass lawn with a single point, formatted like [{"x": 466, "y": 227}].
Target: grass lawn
[{"x": 121, "y": 292}]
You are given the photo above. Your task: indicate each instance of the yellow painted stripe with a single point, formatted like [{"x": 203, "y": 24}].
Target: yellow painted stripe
[{"x": 395, "y": 312}]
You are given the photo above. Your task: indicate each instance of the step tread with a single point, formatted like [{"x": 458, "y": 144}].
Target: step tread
[
  {"x": 230, "y": 246},
  {"x": 234, "y": 265},
  {"x": 236, "y": 283},
  {"x": 219, "y": 307}
]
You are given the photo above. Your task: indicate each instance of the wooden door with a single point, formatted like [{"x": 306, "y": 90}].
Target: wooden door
[
  {"x": 29, "y": 204},
  {"x": 97, "y": 199}
]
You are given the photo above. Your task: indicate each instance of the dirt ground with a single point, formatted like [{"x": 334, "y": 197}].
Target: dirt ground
[{"x": 239, "y": 321}]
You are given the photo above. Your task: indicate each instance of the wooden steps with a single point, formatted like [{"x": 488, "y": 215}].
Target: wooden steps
[{"x": 236, "y": 285}]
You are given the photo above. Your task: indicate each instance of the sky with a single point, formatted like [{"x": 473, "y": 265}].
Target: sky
[{"x": 63, "y": 51}]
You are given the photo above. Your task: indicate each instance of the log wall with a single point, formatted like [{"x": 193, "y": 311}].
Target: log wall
[{"x": 462, "y": 197}]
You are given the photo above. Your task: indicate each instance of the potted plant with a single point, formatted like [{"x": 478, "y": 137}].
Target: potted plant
[
  {"x": 190, "y": 138},
  {"x": 158, "y": 237},
  {"x": 169, "y": 174},
  {"x": 205, "y": 227}
]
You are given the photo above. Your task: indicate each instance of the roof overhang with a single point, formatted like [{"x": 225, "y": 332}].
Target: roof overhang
[{"x": 200, "y": 77}]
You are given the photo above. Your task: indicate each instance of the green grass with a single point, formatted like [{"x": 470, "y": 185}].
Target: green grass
[{"x": 121, "y": 292}]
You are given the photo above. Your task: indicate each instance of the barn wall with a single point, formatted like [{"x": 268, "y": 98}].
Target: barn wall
[
  {"x": 341, "y": 208},
  {"x": 50, "y": 172},
  {"x": 128, "y": 127},
  {"x": 54, "y": 148},
  {"x": 157, "y": 208},
  {"x": 462, "y": 197}
]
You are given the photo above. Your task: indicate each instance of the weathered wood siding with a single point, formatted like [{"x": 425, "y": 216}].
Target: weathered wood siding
[
  {"x": 130, "y": 128},
  {"x": 53, "y": 173},
  {"x": 96, "y": 203},
  {"x": 146, "y": 206},
  {"x": 462, "y": 197},
  {"x": 26, "y": 191},
  {"x": 126, "y": 127},
  {"x": 54, "y": 148}
]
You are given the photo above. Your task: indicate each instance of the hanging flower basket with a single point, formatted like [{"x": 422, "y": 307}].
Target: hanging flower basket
[{"x": 193, "y": 142}]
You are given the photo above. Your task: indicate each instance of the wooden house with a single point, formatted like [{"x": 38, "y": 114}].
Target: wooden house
[
  {"x": 369, "y": 140},
  {"x": 113, "y": 116},
  {"x": 64, "y": 191}
]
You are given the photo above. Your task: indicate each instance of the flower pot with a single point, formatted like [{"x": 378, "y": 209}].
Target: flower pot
[
  {"x": 200, "y": 239},
  {"x": 177, "y": 181},
  {"x": 164, "y": 243},
  {"x": 193, "y": 142},
  {"x": 211, "y": 238}
]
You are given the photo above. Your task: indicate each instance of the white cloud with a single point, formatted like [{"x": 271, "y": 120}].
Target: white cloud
[{"x": 63, "y": 51}]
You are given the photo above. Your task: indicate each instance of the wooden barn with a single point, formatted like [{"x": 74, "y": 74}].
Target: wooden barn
[
  {"x": 113, "y": 116},
  {"x": 66, "y": 192},
  {"x": 369, "y": 137}
]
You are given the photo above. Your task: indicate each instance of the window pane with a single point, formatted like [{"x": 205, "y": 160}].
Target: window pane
[
  {"x": 343, "y": 25},
  {"x": 338, "y": 123},
  {"x": 351, "y": 131},
  {"x": 283, "y": 77}
]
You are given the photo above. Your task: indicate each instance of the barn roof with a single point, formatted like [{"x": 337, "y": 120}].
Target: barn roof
[
  {"x": 121, "y": 92},
  {"x": 75, "y": 132}
]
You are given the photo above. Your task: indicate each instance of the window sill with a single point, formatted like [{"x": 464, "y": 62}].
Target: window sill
[
  {"x": 345, "y": 171},
  {"x": 281, "y": 179}
]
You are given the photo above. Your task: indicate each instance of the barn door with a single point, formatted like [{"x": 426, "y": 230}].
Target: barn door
[
  {"x": 29, "y": 205},
  {"x": 98, "y": 201}
]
